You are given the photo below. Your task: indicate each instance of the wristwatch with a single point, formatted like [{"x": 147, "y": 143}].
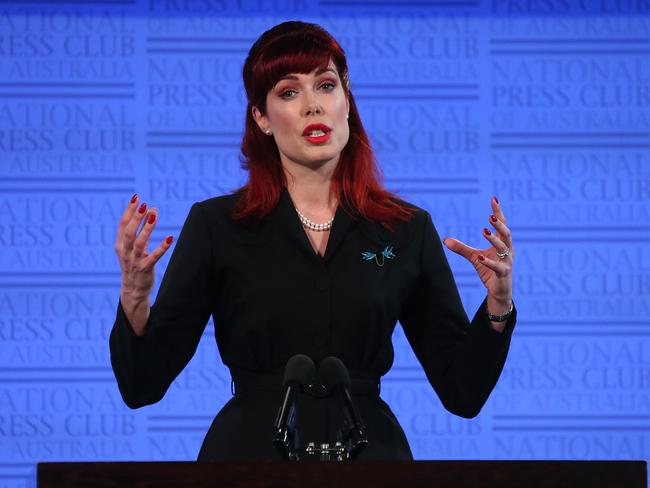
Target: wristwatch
[{"x": 502, "y": 317}]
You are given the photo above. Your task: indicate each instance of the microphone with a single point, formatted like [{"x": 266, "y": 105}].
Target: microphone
[
  {"x": 334, "y": 375},
  {"x": 298, "y": 372}
]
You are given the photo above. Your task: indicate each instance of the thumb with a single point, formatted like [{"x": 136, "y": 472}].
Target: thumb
[{"x": 459, "y": 247}]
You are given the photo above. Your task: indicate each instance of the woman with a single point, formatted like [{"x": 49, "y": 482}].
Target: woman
[{"x": 311, "y": 256}]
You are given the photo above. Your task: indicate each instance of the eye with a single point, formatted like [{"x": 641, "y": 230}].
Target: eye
[
  {"x": 328, "y": 85},
  {"x": 288, "y": 93}
]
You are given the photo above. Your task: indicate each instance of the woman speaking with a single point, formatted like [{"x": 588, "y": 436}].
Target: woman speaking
[{"x": 312, "y": 256}]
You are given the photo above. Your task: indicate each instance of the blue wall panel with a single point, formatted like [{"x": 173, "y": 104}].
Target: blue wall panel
[{"x": 544, "y": 104}]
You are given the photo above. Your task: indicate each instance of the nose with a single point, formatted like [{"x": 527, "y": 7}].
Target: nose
[{"x": 313, "y": 107}]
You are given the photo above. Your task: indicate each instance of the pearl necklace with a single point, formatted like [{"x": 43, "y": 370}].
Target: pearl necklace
[{"x": 310, "y": 224}]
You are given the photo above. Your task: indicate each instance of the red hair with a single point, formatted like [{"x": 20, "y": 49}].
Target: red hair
[{"x": 298, "y": 47}]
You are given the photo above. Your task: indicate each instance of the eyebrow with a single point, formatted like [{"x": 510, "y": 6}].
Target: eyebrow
[{"x": 318, "y": 73}]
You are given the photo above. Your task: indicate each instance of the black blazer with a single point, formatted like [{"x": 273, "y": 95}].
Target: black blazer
[{"x": 271, "y": 296}]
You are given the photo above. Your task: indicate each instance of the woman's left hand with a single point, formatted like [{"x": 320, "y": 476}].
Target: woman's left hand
[{"x": 495, "y": 271}]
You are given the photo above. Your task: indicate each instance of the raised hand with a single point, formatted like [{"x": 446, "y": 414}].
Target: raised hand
[
  {"x": 136, "y": 262},
  {"x": 493, "y": 264}
]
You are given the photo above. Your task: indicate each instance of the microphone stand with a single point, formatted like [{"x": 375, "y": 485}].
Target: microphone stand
[
  {"x": 350, "y": 440},
  {"x": 285, "y": 438},
  {"x": 297, "y": 373},
  {"x": 355, "y": 439}
]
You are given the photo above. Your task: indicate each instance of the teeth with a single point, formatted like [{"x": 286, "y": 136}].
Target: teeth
[{"x": 316, "y": 133}]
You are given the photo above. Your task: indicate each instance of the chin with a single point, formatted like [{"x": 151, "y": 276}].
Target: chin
[{"x": 322, "y": 157}]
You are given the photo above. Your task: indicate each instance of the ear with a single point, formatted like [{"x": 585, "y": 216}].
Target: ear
[{"x": 261, "y": 120}]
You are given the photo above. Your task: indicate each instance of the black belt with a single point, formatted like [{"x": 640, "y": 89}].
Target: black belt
[{"x": 247, "y": 381}]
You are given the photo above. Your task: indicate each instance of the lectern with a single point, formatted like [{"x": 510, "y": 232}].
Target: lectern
[{"x": 313, "y": 474}]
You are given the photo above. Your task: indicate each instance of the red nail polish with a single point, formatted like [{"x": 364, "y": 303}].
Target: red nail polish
[
  {"x": 152, "y": 218},
  {"x": 486, "y": 231},
  {"x": 493, "y": 218},
  {"x": 142, "y": 208},
  {"x": 169, "y": 239},
  {"x": 496, "y": 200},
  {"x": 481, "y": 257},
  {"x": 134, "y": 198}
]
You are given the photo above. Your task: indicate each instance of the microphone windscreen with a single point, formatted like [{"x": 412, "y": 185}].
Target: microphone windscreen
[
  {"x": 333, "y": 373},
  {"x": 299, "y": 370}
]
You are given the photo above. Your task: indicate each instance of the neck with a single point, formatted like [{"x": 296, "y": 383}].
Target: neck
[{"x": 310, "y": 189}]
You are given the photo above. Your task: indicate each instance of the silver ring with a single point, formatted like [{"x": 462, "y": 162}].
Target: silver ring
[{"x": 504, "y": 254}]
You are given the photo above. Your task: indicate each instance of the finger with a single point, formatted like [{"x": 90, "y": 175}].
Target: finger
[
  {"x": 157, "y": 253},
  {"x": 493, "y": 239},
  {"x": 460, "y": 248},
  {"x": 141, "y": 241},
  {"x": 502, "y": 230},
  {"x": 131, "y": 229},
  {"x": 500, "y": 268},
  {"x": 124, "y": 220},
  {"x": 497, "y": 210}
]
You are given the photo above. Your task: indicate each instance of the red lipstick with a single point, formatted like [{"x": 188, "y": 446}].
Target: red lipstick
[{"x": 317, "y": 133}]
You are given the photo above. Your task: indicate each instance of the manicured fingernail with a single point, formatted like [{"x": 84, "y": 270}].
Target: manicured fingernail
[
  {"x": 152, "y": 218},
  {"x": 142, "y": 208},
  {"x": 134, "y": 198},
  {"x": 169, "y": 239},
  {"x": 444, "y": 241},
  {"x": 486, "y": 231},
  {"x": 496, "y": 200},
  {"x": 481, "y": 257},
  {"x": 493, "y": 218}
]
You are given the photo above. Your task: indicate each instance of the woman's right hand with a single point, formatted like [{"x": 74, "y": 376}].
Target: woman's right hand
[{"x": 136, "y": 263}]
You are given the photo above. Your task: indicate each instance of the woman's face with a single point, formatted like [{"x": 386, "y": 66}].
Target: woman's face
[{"x": 307, "y": 116}]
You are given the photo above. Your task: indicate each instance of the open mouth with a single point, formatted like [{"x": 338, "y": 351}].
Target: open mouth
[
  {"x": 315, "y": 138},
  {"x": 317, "y": 133}
]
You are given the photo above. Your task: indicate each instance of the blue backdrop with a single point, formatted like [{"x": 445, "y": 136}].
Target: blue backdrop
[{"x": 542, "y": 103}]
